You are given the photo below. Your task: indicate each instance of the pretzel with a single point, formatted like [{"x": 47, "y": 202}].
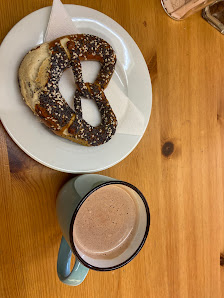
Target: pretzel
[{"x": 39, "y": 76}]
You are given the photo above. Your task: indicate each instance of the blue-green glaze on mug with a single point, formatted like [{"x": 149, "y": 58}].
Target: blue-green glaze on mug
[{"x": 70, "y": 198}]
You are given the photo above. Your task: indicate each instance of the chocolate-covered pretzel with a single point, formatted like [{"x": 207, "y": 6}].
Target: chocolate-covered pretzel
[{"x": 39, "y": 76}]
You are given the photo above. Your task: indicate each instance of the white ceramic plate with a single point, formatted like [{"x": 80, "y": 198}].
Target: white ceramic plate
[{"x": 32, "y": 136}]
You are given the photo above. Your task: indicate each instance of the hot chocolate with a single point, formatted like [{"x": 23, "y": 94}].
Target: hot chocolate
[{"x": 106, "y": 222}]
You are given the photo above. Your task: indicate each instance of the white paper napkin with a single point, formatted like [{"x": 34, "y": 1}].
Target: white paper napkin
[{"x": 130, "y": 119}]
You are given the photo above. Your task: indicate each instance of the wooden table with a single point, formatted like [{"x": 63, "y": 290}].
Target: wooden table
[{"x": 178, "y": 165}]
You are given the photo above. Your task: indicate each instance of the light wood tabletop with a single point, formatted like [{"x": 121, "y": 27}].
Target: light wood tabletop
[{"x": 178, "y": 165}]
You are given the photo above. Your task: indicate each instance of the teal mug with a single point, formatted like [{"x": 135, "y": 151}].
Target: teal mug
[{"x": 70, "y": 198}]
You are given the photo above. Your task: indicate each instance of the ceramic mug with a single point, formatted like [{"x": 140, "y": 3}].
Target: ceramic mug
[{"x": 69, "y": 200}]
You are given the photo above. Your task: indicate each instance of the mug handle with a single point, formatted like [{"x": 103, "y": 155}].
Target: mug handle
[{"x": 78, "y": 273}]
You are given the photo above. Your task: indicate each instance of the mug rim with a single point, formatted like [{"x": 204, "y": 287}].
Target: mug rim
[{"x": 140, "y": 245}]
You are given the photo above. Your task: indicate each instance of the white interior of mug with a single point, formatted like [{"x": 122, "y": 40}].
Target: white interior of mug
[{"x": 139, "y": 235}]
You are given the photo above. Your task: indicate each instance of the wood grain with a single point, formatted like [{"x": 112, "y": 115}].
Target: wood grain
[{"x": 178, "y": 165}]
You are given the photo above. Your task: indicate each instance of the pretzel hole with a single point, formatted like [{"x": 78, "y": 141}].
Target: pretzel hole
[
  {"x": 90, "y": 70},
  {"x": 67, "y": 86},
  {"x": 90, "y": 111}
]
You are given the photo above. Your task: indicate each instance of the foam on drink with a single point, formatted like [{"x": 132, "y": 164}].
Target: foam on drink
[{"x": 106, "y": 222}]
